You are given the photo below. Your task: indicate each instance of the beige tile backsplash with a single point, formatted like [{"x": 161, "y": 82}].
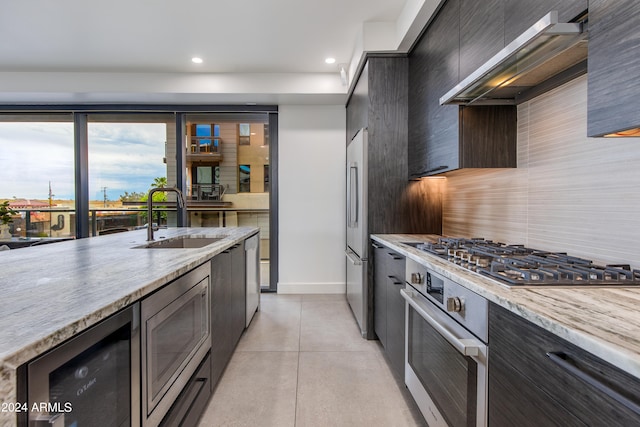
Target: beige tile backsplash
[{"x": 570, "y": 193}]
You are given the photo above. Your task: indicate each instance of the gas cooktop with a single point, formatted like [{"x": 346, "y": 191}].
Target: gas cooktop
[{"x": 516, "y": 265}]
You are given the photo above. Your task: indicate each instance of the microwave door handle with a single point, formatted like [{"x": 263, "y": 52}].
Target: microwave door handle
[
  {"x": 467, "y": 347},
  {"x": 353, "y": 196}
]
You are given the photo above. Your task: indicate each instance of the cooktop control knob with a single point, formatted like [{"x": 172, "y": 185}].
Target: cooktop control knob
[
  {"x": 454, "y": 304},
  {"x": 417, "y": 278}
]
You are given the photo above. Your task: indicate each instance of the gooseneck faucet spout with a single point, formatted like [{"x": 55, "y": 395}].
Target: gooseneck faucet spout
[{"x": 180, "y": 200}]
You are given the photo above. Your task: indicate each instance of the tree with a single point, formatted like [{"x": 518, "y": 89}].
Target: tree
[
  {"x": 131, "y": 197},
  {"x": 160, "y": 181}
]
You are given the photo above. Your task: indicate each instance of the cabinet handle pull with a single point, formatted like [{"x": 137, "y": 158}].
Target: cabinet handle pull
[
  {"x": 427, "y": 172},
  {"x": 394, "y": 256},
  {"x": 564, "y": 361},
  {"x": 376, "y": 246},
  {"x": 395, "y": 280}
]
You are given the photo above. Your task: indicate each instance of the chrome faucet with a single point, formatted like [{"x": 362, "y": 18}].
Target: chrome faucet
[{"x": 150, "y": 206}]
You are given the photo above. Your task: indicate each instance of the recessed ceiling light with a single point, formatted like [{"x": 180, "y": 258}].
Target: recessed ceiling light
[
  {"x": 330, "y": 60},
  {"x": 196, "y": 60}
]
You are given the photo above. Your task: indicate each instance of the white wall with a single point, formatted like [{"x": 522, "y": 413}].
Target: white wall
[{"x": 311, "y": 144}]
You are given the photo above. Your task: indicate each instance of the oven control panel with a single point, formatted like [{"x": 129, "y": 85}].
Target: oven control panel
[{"x": 468, "y": 308}]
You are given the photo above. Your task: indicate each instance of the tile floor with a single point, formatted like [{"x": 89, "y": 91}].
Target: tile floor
[{"x": 302, "y": 362}]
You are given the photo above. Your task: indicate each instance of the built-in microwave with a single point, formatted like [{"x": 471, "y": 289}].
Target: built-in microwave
[{"x": 176, "y": 337}]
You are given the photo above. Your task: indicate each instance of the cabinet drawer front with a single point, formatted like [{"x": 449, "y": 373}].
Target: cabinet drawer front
[
  {"x": 514, "y": 400},
  {"x": 530, "y": 350},
  {"x": 394, "y": 264}
]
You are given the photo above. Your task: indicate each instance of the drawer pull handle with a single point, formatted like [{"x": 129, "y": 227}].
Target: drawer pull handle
[
  {"x": 376, "y": 246},
  {"x": 564, "y": 361},
  {"x": 395, "y": 280},
  {"x": 394, "y": 256}
]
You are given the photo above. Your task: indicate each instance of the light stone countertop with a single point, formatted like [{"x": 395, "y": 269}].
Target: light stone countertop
[
  {"x": 602, "y": 321},
  {"x": 52, "y": 292}
]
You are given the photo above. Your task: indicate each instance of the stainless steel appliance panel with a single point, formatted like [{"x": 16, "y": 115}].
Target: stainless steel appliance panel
[
  {"x": 445, "y": 365},
  {"x": 176, "y": 337},
  {"x": 356, "y": 249},
  {"x": 357, "y": 292},
  {"x": 252, "y": 260},
  {"x": 357, "y": 237},
  {"x": 92, "y": 379}
]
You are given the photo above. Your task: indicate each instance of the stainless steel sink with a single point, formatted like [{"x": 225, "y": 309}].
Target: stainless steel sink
[{"x": 182, "y": 242}]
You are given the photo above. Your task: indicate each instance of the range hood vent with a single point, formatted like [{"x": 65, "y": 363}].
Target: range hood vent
[{"x": 543, "y": 51}]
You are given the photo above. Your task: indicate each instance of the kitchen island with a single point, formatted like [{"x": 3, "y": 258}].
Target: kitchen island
[
  {"x": 53, "y": 292},
  {"x": 602, "y": 321}
]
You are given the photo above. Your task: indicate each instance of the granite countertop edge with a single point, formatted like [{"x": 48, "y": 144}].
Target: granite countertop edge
[
  {"x": 567, "y": 313},
  {"x": 22, "y": 343}
]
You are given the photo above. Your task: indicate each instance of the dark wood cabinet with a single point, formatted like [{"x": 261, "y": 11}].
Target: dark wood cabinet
[
  {"x": 519, "y": 15},
  {"x": 614, "y": 66},
  {"x": 448, "y": 137},
  {"x": 481, "y": 33},
  {"x": 434, "y": 69},
  {"x": 358, "y": 107},
  {"x": 379, "y": 293},
  {"x": 389, "y": 306},
  {"x": 537, "y": 378},
  {"x": 228, "y": 305},
  {"x": 379, "y": 104}
]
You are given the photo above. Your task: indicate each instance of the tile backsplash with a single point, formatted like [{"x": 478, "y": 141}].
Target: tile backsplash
[{"x": 569, "y": 192}]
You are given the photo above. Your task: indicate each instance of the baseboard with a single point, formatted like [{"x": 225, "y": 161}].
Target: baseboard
[{"x": 311, "y": 288}]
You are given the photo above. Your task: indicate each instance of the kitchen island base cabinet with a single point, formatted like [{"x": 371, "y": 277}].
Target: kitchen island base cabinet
[
  {"x": 538, "y": 379},
  {"x": 389, "y": 306},
  {"x": 193, "y": 400},
  {"x": 227, "y": 307}
]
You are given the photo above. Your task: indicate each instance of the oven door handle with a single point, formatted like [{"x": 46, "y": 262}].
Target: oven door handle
[{"x": 467, "y": 347}]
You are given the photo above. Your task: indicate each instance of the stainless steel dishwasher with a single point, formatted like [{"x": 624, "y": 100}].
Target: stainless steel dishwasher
[{"x": 252, "y": 261}]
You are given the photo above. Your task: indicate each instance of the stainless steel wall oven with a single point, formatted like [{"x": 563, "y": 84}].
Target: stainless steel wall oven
[{"x": 446, "y": 353}]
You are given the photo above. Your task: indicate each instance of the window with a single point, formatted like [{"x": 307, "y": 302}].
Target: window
[
  {"x": 200, "y": 138},
  {"x": 244, "y": 177},
  {"x": 125, "y": 161},
  {"x": 244, "y": 134},
  {"x": 37, "y": 158},
  {"x": 266, "y": 136}
]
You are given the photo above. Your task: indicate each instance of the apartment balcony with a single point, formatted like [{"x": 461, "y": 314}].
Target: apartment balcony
[
  {"x": 204, "y": 149},
  {"x": 206, "y": 192}
]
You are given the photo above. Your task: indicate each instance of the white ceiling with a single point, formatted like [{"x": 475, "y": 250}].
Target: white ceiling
[{"x": 161, "y": 36}]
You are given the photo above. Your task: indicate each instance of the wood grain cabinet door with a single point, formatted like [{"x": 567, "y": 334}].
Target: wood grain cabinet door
[
  {"x": 481, "y": 33},
  {"x": 380, "y": 292},
  {"x": 535, "y": 376},
  {"x": 433, "y": 70},
  {"x": 519, "y": 15},
  {"x": 614, "y": 66}
]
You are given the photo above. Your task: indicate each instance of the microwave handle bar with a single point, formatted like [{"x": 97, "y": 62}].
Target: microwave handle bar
[{"x": 467, "y": 347}]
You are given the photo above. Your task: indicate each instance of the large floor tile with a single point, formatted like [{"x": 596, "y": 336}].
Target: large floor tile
[
  {"x": 323, "y": 297},
  {"x": 330, "y": 326},
  {"x": 275, "y": 327},
  {"x": 349, "y": 389},
  {"x": 257, "y": 389}
]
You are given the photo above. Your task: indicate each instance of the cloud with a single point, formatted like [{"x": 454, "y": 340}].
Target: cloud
[{"x": 122, "y": 157}]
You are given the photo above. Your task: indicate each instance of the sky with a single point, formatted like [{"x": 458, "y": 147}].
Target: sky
[{"x": 122, "y": 157}]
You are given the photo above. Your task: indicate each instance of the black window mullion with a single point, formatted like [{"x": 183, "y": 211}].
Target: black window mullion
[{"x": 81, "y": 162}]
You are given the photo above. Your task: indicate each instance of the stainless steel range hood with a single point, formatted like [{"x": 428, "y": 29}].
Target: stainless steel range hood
[{"x": 544, "y": 50}]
